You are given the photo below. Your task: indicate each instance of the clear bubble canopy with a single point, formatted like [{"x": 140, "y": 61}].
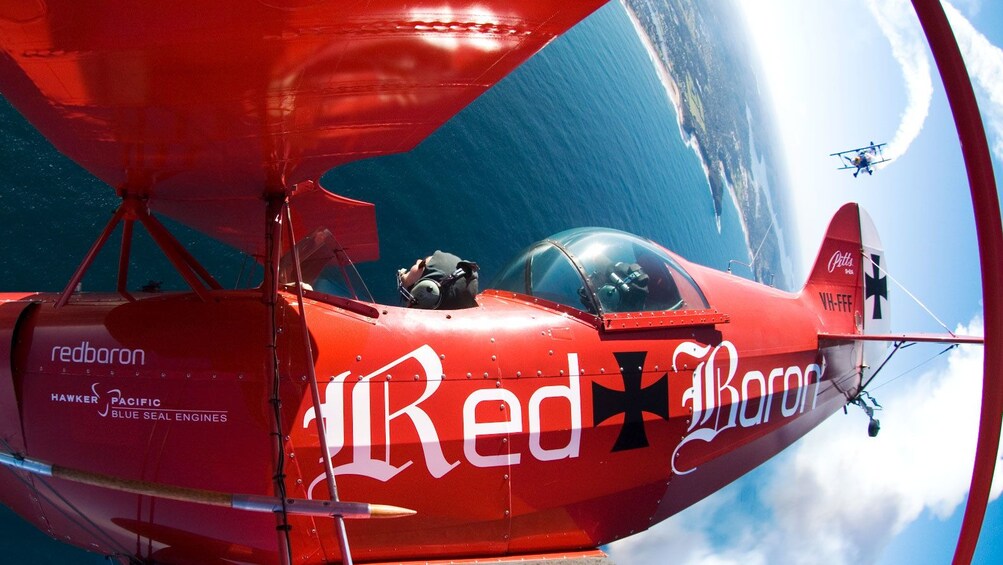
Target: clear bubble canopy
[{"x": 601, "y": 271}]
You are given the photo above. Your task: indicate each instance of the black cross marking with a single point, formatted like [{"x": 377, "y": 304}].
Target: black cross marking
[
  {"x": 876, "y": 286},
  {"x": 632, "y": 402}
]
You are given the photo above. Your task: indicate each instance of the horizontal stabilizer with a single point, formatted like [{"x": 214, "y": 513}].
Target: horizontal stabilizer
[
  {"x": 589, "y": 557},
  {"x": 872, "y": 146},
  {"x": 913, "y": 338}
]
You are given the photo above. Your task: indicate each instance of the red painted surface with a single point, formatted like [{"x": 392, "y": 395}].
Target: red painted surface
[
  {"x": 511, "y": 428},
  {"x": 205, "y": 107},
  {"x": 483, "y": 420},
  {"x": 989, "y": 228}
]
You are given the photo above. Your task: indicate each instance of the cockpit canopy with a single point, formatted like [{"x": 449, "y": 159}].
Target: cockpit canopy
[{"x": 601, "y": 271}]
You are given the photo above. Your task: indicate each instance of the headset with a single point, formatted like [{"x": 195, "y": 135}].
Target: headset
[
  {"x": 427, "y": 292},
  {"x": 621, "y": 287}
]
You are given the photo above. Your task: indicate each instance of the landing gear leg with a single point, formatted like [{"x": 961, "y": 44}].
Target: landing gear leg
[{"x": 873, "y": 424}]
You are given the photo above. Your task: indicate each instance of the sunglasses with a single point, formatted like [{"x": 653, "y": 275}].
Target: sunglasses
[{"x": 405, "y": 294}]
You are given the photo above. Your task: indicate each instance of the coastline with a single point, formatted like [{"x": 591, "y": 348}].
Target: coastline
[
  {"x": 674, "y": 94},
  {"x": 675, "y": 97},
  {"x": 734, "y": 199}
]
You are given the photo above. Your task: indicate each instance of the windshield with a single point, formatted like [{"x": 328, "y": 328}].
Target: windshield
[
  {"x": 325, "y": 267},
  {"x": 601, "y": 271}
]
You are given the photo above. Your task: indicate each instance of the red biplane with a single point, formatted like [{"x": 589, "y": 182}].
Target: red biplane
[{"x": 566, "y": 410}]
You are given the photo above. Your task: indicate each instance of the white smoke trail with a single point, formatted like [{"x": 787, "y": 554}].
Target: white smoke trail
[
  {"x": 899, "y": 24},
  {"x": 985, "y": 65}
]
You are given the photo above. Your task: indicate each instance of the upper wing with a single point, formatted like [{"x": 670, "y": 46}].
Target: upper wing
[
  {"x": 204, "y": 107},
  {"x": 876, "y": 146}
]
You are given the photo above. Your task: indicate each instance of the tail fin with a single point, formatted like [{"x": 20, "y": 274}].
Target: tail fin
[{"x": 847, "y": 286}]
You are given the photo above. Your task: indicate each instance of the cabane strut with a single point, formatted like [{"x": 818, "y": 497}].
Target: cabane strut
[{"x": 134, "y": 208}]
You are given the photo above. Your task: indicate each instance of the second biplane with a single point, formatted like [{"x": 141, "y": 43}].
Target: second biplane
[{"x": 861, "y": 158}]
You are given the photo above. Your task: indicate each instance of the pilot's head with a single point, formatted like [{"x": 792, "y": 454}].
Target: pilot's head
[
  {"x": 626, "y": 288},
  {"x": 426, "y": 294},
  {"x": 415, "y": 291},
  {"x": 411, "y": 276}
]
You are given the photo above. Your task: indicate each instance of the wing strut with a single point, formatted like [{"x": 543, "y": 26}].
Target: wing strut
[
  {"x": 278, "y": 213},
  {"x": 270, "y": 296},
  {"x": 332, "y": 485},
  {"x": 985, "y": 202},
  {"x": 131, "y": 209}
]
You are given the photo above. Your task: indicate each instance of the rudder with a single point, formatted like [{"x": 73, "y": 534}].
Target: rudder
[{"x": 847, "y": 285}]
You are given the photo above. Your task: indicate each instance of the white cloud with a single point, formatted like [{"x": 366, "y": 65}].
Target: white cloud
[
  {"x": 685, "y": 538},
  {"x": 985, "y": 65},
  {"x": 839, "y": 496},
  {"x": 901, "y": 28},
  {"x": 971, "y": 7},
  {"x": 899, "y": 24},
  {"x": 868, "y": 490}
]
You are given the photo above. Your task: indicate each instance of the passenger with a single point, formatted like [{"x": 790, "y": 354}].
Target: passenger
[
  {"x": 620, "y": 286},
  {"x": 440, "y": 281}
]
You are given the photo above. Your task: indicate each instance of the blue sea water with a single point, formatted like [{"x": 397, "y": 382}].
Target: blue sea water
[{"x": 582, "y": 134}]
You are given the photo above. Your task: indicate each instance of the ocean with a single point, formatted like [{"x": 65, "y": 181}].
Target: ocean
[{"x": 583, "y": 134}]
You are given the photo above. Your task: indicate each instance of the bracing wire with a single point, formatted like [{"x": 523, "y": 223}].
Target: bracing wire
[
  {"x": 898, "y": 345},
  {"x": 762, "y": 241},
  {"x": 917, "y": 366},
  {"x": 240, "y": 275},
  {"x": 911, "y": 295}
]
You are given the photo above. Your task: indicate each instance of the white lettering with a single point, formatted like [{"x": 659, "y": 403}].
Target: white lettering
[
  {"x": 85, "y": 353},
  {"x": 363, "y": 462},
  {"x": 73, "y": 398},
  {"x": 472, "y": 429},
  {"x": 812, "y": 369},
  {"x": 135, "y": 402},
  {"x": 336, "y": 412},
  {"x": 840, "y": 259},
  {"x": 712, "y": 393},
  {"x": 434, "y": 458},
  {"x": 733, "y": 400},
  {"x": 757, "y": 377},
  {"x": 798, "y": 388},
  {"x": 774, "y": 374},
  {"x": 572, "y": 393},
  {"x": 332, "y": 411},
  {"x": 694, "y": 393}
]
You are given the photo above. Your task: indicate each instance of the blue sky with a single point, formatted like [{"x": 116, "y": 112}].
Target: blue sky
[{"x": 841, "y": 74}]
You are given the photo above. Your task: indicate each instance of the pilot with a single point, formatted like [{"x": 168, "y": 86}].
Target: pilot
[
  {"x": 863, "y": 162},
  {"x": 440, "y": 281}
]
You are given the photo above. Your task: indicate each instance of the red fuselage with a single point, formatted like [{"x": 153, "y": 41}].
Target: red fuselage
[{"x": 517, "y": 426}]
